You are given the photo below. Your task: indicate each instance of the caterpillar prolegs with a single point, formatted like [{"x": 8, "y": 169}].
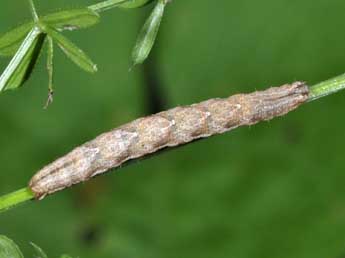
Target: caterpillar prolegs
[{"x": 173, "y": 127}]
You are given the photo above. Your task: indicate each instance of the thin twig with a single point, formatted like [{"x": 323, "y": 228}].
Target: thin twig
[
  {"x": 13, "y": 199},
  {"x": 317, "y": 91},
  {"x": 326, "y": 88}
]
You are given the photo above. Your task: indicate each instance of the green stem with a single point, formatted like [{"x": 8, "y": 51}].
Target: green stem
[
  {"x": 12, "y": 199},
  {"x": 33, "y": 10},
  {"x": 106, "y": 5},
  {"x": 317, "y": 91},
  {"x": 15, "y": 67},
  {"x": 326, "y": 88}
]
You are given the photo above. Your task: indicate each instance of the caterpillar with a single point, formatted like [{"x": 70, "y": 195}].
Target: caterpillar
[{"x": 169, "y": 128}]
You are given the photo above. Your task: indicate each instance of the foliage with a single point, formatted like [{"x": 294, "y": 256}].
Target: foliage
[
  {"x": 9, "y": 249},
  {"x": 273, "y": 190},
  {"x": 26, "y": 41}
]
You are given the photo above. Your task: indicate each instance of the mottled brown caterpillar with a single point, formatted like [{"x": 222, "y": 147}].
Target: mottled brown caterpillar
[{"x": 173, "y": 127}]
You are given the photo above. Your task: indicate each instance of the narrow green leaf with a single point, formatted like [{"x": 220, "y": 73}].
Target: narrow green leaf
[
  {"x": 148, "y": 34},
  {"x": 135, "y": 3},
  {"x": 72, "y": 51},
  {"x": 71, "y": 19},
  {"x": 11, "y": 40},
  {"x": 8, "y": 249},
  {"x": 39, "y": 252},
  {"x": 22, "y": 64},
  {"x": 65, "y": 256},
  {"x": 62, "y": 20},
  {"x": 25, "y": 68},
  {"x": 50, "y": 68},
  {"x": 106, "y": 5}
]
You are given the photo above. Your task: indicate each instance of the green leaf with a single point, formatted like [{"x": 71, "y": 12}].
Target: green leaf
[
  {"x": 40, "y": 253},
  {"x": 50, "y": 68},
  {"x": 11, "y": 40},
  {"x": 62, "y": 20},
  {"x": 8, "y": 249},
  {"x": 65, "y": 256},
  {"x": 106, "y": 5},
  {"x": 148, "y": 34},
  {"x": 22, "y": 64},
  {"x": 135, "y": 3},
  {"x": 50, "y": 64},
  {"x": 72, "y": 51},
  {"x": 71, "y": 19}
]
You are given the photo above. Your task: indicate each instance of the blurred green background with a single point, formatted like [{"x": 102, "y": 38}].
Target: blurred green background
[{"x": 271, "y": 190}]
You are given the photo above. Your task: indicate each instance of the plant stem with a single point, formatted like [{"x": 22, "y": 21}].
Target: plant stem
[
  {"x": 33, "y": 10},
  {"x": 106, "y": 5},
  {"x": 326, "y": 88},
  {"x": 12, "y": 199},
  {"x": 317, "y": 91},
  {"x": 21, "y": 56}
]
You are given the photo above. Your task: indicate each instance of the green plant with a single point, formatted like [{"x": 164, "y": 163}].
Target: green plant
[
  {"x": 8, "y": 249},
  {"x": 336, "y": 83},
  {"x": 26, "y": 41},
  {"x": 315, "y": 92}
]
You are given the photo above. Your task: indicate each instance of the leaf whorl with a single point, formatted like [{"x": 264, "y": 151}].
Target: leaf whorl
[{"x": 173, "y": 127}]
